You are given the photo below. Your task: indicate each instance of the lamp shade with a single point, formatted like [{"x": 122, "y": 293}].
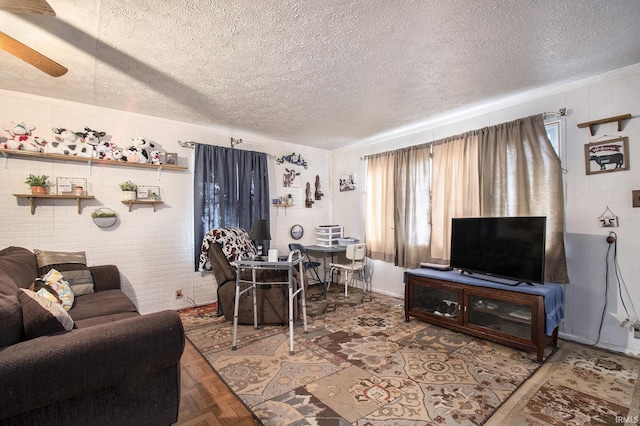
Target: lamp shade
[{"x": 260, "y": 230}]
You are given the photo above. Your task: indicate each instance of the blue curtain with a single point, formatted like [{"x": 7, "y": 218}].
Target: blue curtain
[{"x": 231, "y": 188}]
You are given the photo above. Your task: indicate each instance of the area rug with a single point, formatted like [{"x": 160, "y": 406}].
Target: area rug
[
  {"x": 361, "y": 364},
  {"x": 578, "y": 385}
]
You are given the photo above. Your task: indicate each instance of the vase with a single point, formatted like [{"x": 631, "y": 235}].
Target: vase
[
  {"x": 128, "y": 195},
  {"x": 38, "y": 190}
]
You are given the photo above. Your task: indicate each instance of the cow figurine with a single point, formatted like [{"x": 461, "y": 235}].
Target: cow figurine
[
  {"x": 20, "y": 138},
  {"x": 93, "y": 138},
  {"x": 68, "y": 143}
]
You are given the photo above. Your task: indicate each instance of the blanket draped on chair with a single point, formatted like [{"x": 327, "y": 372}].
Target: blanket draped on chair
[{"x": 235, "y": 242}]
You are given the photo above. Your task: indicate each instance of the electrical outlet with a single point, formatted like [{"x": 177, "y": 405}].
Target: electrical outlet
[
  {"x": 179, "y": 293},
  {"x": 636, "y": 331}
]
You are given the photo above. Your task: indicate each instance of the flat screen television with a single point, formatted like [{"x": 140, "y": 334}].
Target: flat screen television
[{"x": 505, "y": 247}]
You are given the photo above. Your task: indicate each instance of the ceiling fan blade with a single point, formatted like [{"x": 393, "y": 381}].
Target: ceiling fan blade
[
  {"x": 27, "y": 6},
  {"x": 27, "y": 54}
]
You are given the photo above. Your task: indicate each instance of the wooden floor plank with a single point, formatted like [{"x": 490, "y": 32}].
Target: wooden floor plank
[{"x": 205, "y": 399}]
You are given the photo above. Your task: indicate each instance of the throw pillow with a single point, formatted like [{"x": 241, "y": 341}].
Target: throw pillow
[
  {"x": 56, "y": 281},
  {"x": 41, "y": 316},
  {"x": 72, "y": 264}
]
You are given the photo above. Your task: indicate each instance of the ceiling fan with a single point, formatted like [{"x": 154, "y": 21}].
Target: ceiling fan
[{"x": 23, "y": 51}]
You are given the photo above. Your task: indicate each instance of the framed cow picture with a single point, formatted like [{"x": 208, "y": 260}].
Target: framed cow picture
[{"x": 607, "y": 156}]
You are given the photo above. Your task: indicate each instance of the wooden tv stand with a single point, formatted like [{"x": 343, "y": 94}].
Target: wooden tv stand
[{"x": 503, "y": 315}]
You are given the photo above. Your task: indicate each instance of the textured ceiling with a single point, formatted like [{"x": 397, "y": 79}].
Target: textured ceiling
[{"x": 322, "y": 73}]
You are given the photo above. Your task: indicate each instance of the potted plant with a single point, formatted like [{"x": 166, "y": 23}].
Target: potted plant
[
  {"x": 38, "y": 184},
  {"x": 104, "y": 217},
  {"x": 128, "y": 190}
]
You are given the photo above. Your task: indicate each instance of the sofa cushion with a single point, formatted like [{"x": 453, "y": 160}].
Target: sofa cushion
[
  {"x": 10, "y": 312},
  {"x": 41, "y": 316},
  {"x": 91, "y": 322},
  {"x": 102, "y": 303},
  {"x": 20, "y": 265},
  {"x": 73, "y": 266}
]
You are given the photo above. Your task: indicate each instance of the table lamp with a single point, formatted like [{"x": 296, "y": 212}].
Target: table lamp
[{"x": 260, "y": 232}]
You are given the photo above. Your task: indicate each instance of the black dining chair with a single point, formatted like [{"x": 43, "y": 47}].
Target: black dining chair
[{"x": 308, "y": 263}]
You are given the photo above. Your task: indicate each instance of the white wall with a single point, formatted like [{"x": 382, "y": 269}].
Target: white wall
[
  {"x": 154, "y": 251},
  {"x": 587, "y": 197}
]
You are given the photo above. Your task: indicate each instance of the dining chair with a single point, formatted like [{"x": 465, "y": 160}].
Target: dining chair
[
  {"x": 307, "y": 263},
  {"x": 356, "y": 254}
]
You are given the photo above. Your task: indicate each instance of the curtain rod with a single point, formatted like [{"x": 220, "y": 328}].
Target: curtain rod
[
  {"x": 562, "y": 112},
  {"x": 234, "y": 143},
  {"x": 191, "y": 144}
]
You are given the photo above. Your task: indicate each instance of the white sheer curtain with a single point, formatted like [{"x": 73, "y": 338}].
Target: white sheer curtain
[
  {"x": 455, "y": 189},
  {"x": 379, "y": 201},
  {"x": 412, "y": 205}
]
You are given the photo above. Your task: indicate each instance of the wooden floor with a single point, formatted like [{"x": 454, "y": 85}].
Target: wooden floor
[{"x": 205, "y": 399}]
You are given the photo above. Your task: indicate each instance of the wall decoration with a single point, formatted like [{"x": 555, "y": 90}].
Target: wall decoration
[
  {"x": 297, "y": 232},
  {"x": 608, "y": 219},
  {"x": 71, "y": 186},
  {"x": 318, "y": 194},
  {"x": 148, "y": 193},
  {"x": 293, "y": 158},
  {"x": 171, "y": 158},
  {"x": 290, "y": 178},
  {"x": 308, "y": 202},
  {"x": 348, "y": 182},
  {"x": 607, "y": 156}
]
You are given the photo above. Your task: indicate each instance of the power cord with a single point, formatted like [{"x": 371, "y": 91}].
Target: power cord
[{"x": 612, "y": 240}]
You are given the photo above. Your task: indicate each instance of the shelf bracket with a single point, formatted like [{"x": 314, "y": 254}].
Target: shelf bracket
[
  {"x": 90, "y": 164},
  {"x": 159, "y": 172},
  {"x": 6, "y": 159}
]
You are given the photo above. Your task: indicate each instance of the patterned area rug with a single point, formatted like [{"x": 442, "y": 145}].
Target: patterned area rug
[
  {"x": 578, "y": 385},
  {"x": 360, "y": 363}
]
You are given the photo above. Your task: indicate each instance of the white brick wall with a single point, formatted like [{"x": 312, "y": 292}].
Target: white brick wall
[{"x": 154, "y": 251}]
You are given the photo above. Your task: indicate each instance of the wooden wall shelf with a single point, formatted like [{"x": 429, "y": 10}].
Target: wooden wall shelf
[
  {"x": 591, "y": 124},
  {"x": 142, "y": 202},
  {"x": 32, "y": 199},
  {"x": 59, "y": 157}
]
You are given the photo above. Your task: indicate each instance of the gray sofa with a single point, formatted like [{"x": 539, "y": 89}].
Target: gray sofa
[{"x": 114, "y": 367}]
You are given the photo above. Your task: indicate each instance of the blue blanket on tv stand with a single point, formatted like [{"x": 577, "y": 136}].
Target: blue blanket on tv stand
[{"x": 553, "y": 293}]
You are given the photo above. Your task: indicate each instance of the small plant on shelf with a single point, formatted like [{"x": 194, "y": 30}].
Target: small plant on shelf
[
  {"x": 128, "y": 190},
  {"x": 128, "y": 186},
  {"x": 34, "y": 180},
  {"x": 37, "y": 183}
]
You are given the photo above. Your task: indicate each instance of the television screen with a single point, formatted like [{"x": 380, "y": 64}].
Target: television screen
[{"x": 506, "y": 247}]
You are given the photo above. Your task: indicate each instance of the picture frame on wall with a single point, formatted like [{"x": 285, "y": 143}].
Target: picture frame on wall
[
  {"x": 148, "y": 193},
  {"x": 171, "y": 158},
  {"x": 348, "y": 182},
  {"x": 71, "y": 186},
  {"x": 607, "y": 156}
]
